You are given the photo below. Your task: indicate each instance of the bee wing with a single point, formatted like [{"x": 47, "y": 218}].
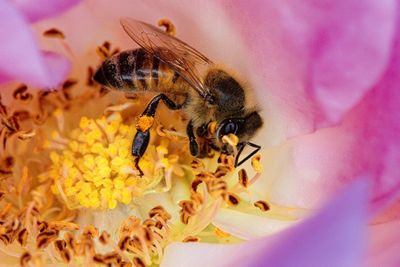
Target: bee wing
[{"x": 180, "y": 56}]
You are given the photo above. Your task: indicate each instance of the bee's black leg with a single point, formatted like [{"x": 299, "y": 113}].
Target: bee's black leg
[
  {"x": 202, "y": 130},
  {"x": 194, "y": 147},
  {"x": 145, "y": 121},
  {"x": 241, "y": 147}
]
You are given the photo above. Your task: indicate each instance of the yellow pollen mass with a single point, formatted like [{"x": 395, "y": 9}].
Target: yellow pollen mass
[
  {"x": 144, "y": 123},
  {"x": 96, "y": 169}
]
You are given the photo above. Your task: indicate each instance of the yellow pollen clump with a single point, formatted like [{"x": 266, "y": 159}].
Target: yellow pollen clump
[
  {"x": 144, "y": 123},
  {"x": 96, "y": 168}
]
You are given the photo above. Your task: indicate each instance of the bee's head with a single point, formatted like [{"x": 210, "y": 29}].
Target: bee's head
[{"x": 244, "y": 128}]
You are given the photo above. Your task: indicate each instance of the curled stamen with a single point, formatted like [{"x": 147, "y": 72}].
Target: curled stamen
[
  {"x": 169, "y": 26},
  {"x": 25, "y": 259}
]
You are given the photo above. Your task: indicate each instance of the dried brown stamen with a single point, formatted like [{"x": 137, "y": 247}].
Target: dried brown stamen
[
  {"x": 243, "y": 178},
  {"x": 232, "y": 199},
  {"x": 90, "y": 231},
  {"x": 62, "y": 250},
  {"x": 42, "y": 226},
  {"x": 25, "y": 259},
  {"x": 70, "y": 242},
  {"x": 104, "y": 51},
  {"x": 89, "y": 80},
  {"x": 22, "y": 237},
  {"x": 104, "y": 238},
  {"x": 195, "y": 184},
  {"x": 45, "y": 238},
  {"x": 216, "y": 187},
  {"x": 161, "y": 212},
  {"x": 138, "y": 262},
  {"x": 168, "y": 25},
  {"x": 197, "y": 198},
  {"x": 69, "y": 84},
  {"x": 54, "y": 33},
  {"x": 148, "y": 235},
  {"x": 21, "y": 93},
  {"x": 191, "y": 239},
  {"x": 262, "y": 205},
  {"x": 123, "y": 242},
  {"x": 222, "y": 171},
  {"x": 197, "y": 164}
]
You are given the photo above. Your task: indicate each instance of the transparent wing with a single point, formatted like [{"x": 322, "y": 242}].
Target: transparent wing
[{"x": 180, "y": 56}]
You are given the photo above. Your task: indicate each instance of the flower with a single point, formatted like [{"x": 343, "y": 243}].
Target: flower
[{"x": 295, "y": 54}]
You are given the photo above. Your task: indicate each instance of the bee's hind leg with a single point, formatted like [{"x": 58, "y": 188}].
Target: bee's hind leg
[{"x": 145, "y": 122}]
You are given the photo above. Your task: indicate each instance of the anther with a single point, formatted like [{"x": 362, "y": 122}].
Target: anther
[
  {"x": 54, "y": 33},
  {"x": 190, "y": 239},
  {"x": 232, "y": 199},
  {"x": 161, "y": 212},
  {"x": 21, "y": 93},
  {"x": 138, "y": 262},
  {"x": 169, "y": 26},
  {"x": 45, "y": 238},
  {"x": 262, "y": 205},
  {"x": 243, "y": 178},
  {"x": 104, "y": 238},
  {"x": 25, "y": 259},
  {"x": 256, "y": 163},
  {"x": 22, "y": 237}
]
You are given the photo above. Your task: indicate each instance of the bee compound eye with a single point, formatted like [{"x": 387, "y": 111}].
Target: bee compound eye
[{"x": 229, "y": 127}]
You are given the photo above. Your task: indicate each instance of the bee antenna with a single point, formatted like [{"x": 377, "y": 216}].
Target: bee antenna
[{"x": 241, "y": 148}]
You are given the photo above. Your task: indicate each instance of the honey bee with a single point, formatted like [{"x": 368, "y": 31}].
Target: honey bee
[{"x": 166, "y": 65}]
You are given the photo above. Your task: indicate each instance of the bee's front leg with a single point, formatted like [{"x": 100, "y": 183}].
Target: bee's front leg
[{"x": 143, "y": 125}]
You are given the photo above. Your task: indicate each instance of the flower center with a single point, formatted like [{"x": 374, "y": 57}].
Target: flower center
[
  {"x": 71, "y": 170},
  {"x": 93, "y": 166}
]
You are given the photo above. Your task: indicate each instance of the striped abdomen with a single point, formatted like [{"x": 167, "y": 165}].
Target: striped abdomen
[{"x": 137, "y": 70}]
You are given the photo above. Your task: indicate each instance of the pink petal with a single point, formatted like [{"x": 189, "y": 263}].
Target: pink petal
[
  {"x": 384, "y": 245},
  {"x": 57, "y": 68},
  {"x": 42, "y": 9},
  {"x": 20, "y": 57},
  {"x": 333, "y": 237},
  {"x": 317, "y": 58},
  {"x": 366, "y": 142}
]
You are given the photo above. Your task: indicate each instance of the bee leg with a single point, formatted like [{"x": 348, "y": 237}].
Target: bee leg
[
  {"x": 202, "y": 130},
  {"x": 194, "y": 147},
  {"x": 140, "y": 143},
  {"x": 145, "y": 121}
]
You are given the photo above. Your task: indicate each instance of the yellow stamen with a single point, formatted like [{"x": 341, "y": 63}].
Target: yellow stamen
[
  {"x": 256, "y": 163},
  {"x": 96, "y": 169}
]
